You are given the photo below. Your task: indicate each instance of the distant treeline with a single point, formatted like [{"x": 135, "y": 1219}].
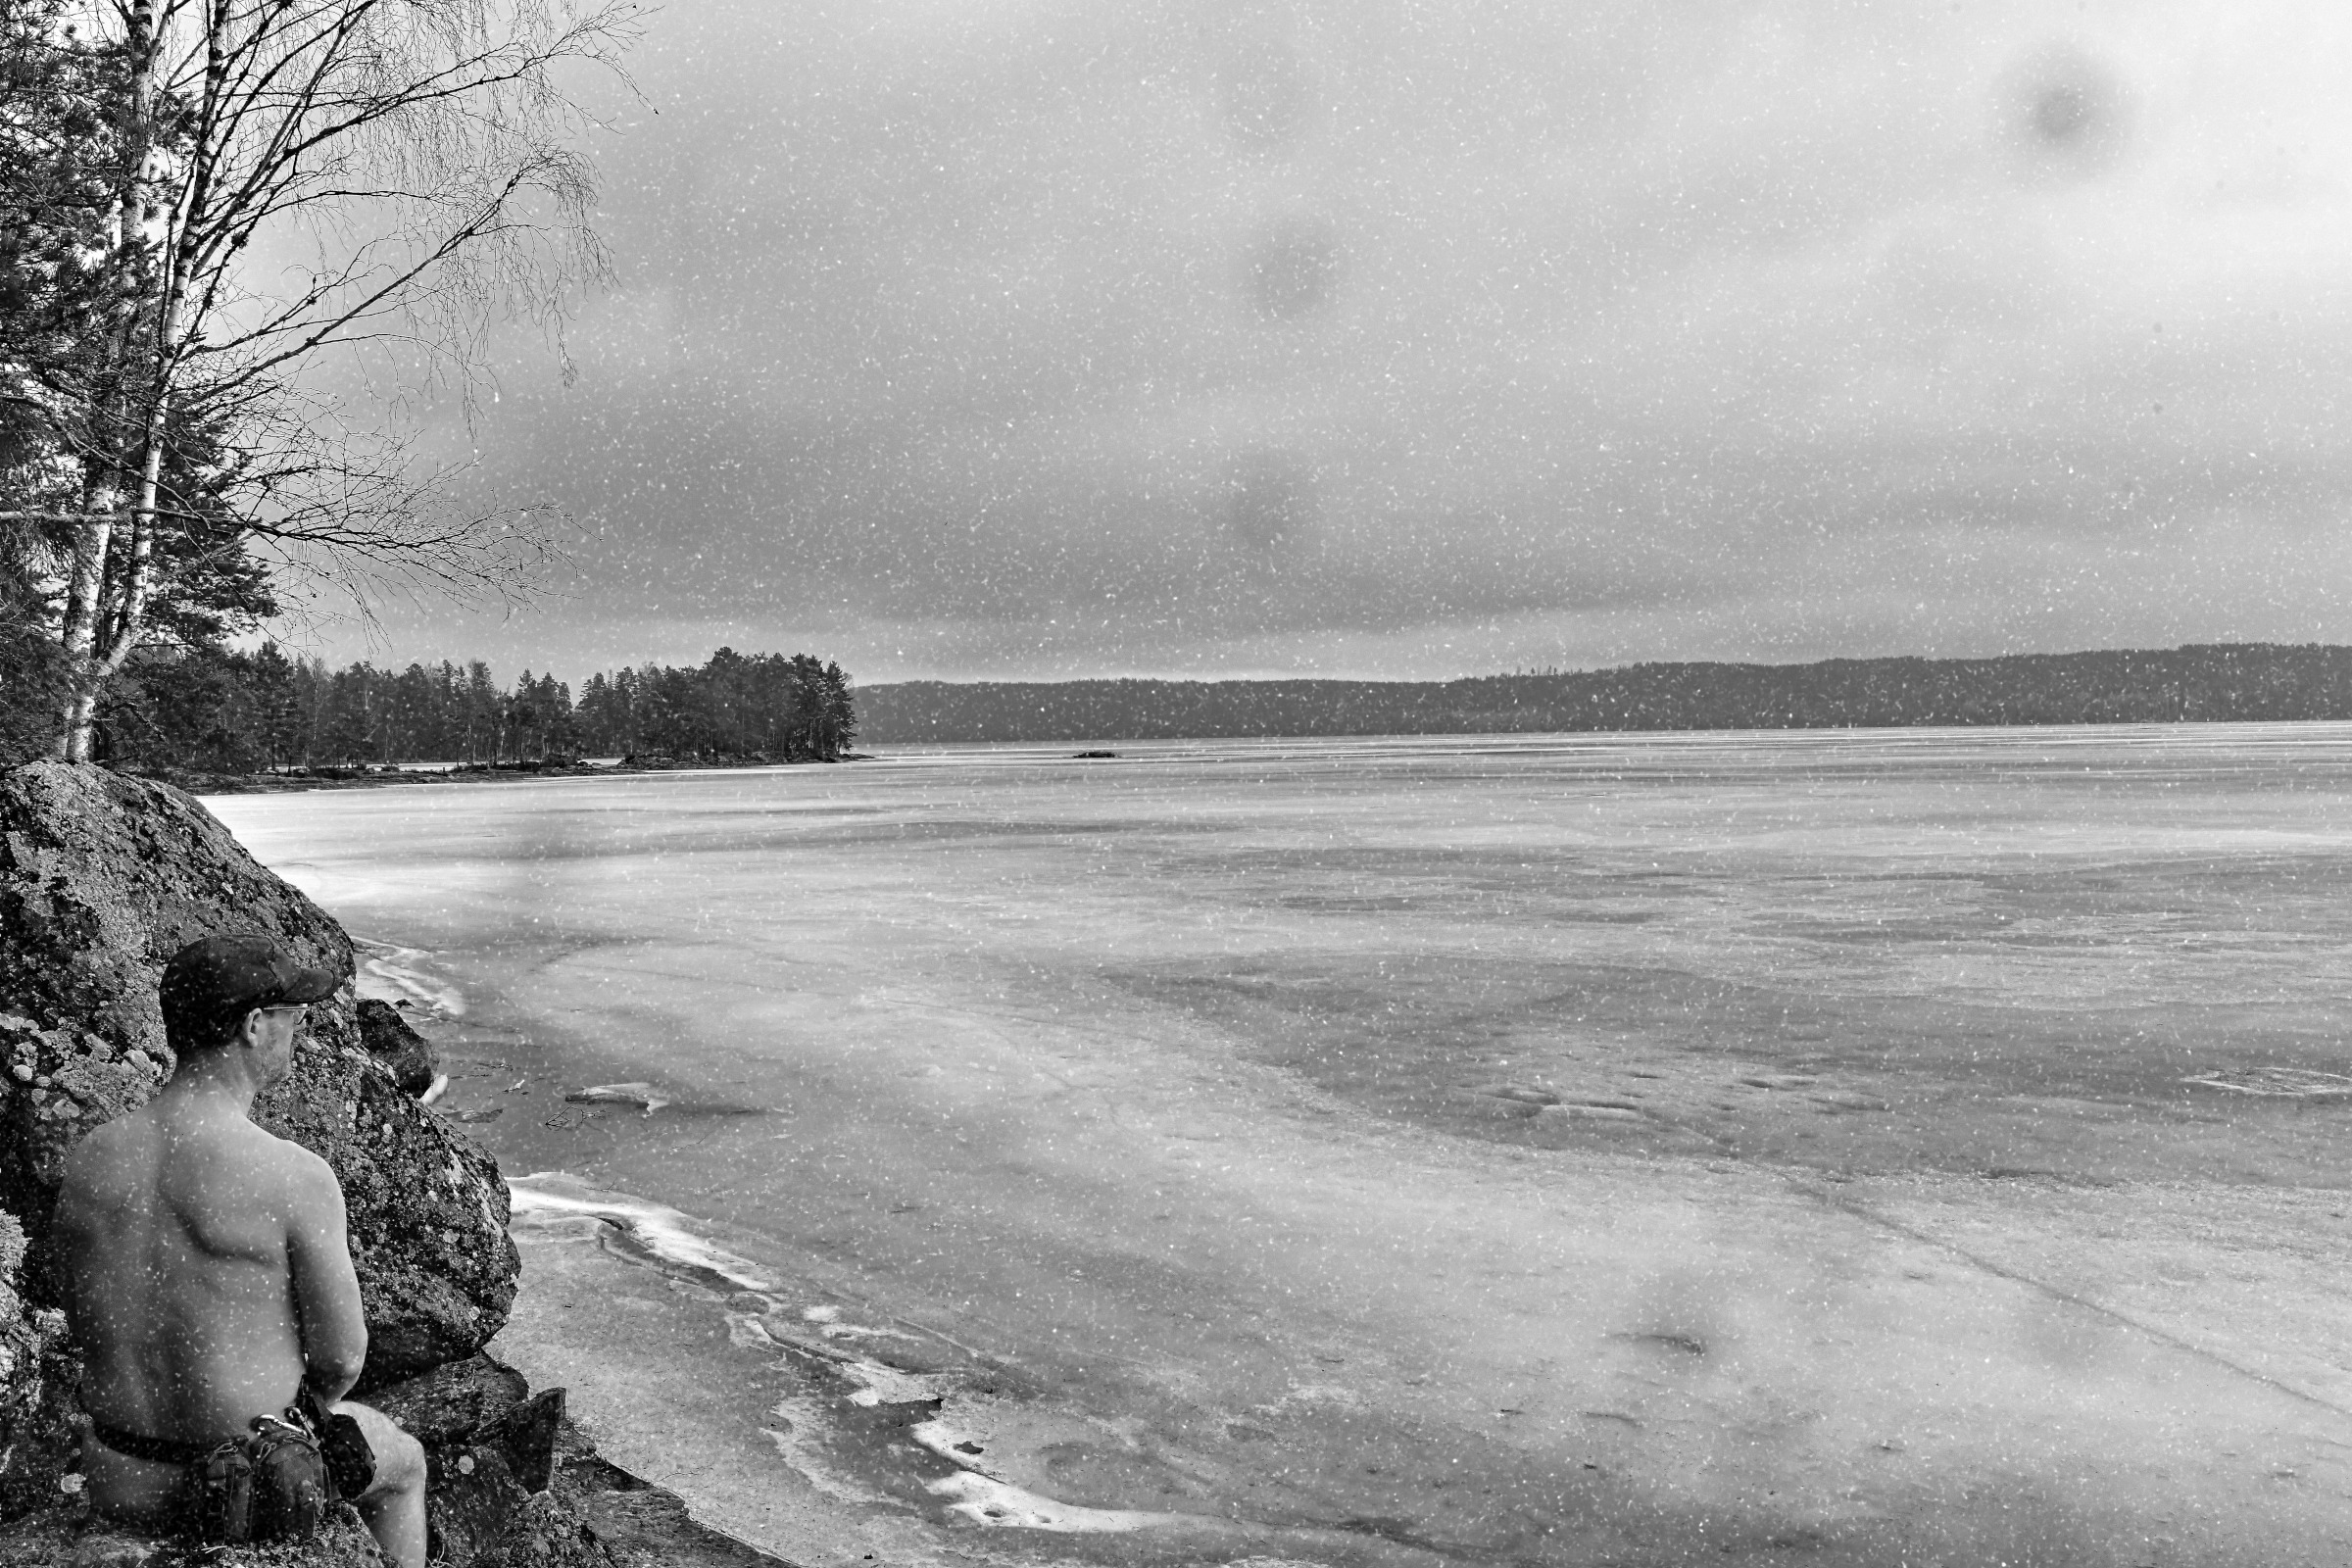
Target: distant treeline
[
  {"x": 223, "y": 712},
  {"x": 2217, "y": 681}
]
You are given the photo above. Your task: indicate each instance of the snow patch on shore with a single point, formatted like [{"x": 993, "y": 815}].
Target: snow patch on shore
[
  {"x": 552, "y": 1195},
  {"x": 979, "y": 1500},
  {"x": 397, "y": 975}
]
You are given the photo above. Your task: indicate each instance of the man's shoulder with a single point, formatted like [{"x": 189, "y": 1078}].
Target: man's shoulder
[
  {"x": 259, "y": 1162},
  {"x": 129, "y": 1128},
  {"x": 253, "y": 1169},
  {"x": 111, "y": 1150},
  {"x": 285, "y": 1158}
]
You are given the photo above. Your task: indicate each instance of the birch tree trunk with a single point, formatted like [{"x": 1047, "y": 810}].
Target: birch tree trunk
[
  {"x": 93, "y": 538},
  {"x": 409, "y": 163},
  {"x": 93, "y": 633}
]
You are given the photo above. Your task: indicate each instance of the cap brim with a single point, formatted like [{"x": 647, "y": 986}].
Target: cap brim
[{"x": 308, "y": 985}]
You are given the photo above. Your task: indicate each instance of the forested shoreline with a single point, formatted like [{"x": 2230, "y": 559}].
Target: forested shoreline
[
  {"x": 215, "y": 711},
  {"x": 2196, "y": 682},
  {"x": 225, "y": 712}
]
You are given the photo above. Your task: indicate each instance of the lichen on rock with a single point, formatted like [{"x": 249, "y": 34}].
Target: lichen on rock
[{"x": 38, "y": 1387}]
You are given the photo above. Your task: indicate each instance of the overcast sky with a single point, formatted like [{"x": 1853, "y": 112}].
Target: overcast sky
[{"x": 1361, "y": 337}]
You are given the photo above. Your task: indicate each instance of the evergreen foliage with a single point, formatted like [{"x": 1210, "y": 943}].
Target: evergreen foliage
[
  {"x": 208, "y": 708},
  {"x": 2224, "y": 681},
  {"x": 736, "y": 705}
]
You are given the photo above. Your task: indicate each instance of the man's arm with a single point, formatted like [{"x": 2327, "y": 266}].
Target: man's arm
[
  {"x": 77, "y": 1274},
  {"x": 326, "y": 1289}
]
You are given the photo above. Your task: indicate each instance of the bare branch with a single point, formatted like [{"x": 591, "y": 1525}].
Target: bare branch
[{"x": 419, "y": 151}]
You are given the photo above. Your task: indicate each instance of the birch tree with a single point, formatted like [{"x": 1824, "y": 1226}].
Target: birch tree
[{"x": 233, "y": 189}]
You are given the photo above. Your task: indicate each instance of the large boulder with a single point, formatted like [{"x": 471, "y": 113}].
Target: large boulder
[{"x": 102, "y": 879}]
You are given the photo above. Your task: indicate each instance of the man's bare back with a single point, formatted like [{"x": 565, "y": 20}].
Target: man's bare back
[
  {"x": 209, "y": 1279},
  {"x": 190, "y": 1223}
]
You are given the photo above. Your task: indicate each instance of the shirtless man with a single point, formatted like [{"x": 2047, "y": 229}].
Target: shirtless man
[{"x": 208, "y": 1269}]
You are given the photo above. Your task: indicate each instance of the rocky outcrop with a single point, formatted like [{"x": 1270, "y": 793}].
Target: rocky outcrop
[
  {"x": 102, "y": 879},
  {"x": 406, "y": 1054},
  {"x": 67, "y": 1537}
]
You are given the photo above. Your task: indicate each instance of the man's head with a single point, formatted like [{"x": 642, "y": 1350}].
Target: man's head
[{"x": 213, "y": 988}]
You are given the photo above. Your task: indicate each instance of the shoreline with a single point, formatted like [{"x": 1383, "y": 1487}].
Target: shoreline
[
  {"x": 1910, "y": 737},
  {"x": 851, "y": 1450},
  {"x": 362, "y": 776}
]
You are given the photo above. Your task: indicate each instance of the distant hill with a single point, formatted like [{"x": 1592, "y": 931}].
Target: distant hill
[{"x": 2210, "y": 681}]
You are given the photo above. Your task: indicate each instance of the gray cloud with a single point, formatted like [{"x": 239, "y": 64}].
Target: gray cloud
[{"x": 1410, "y": 339}]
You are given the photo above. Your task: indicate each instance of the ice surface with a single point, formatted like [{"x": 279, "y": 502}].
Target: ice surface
[{"x": 1668, "y": 1128}]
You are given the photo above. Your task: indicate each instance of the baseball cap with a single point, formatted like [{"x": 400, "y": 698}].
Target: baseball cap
[{"x": 221, "y": 977}]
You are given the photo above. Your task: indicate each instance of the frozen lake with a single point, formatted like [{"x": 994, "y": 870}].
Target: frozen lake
[{"x": 1540, "y": 1149}]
